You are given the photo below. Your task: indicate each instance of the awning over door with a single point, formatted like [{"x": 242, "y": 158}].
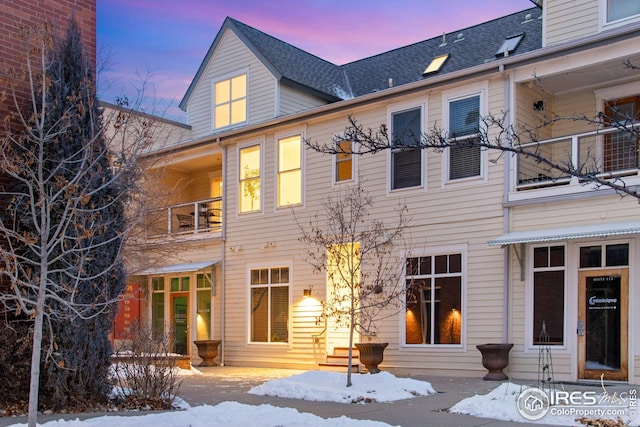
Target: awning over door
[
  {"x": 178, "y": 268},
  {"x": 565, "y": 233}
]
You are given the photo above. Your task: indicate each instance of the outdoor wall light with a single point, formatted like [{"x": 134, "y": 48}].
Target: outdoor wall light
[{"x": 306, "y": 293}]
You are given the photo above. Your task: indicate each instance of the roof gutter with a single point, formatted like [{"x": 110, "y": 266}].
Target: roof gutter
[{"x": 509, "y": 62}]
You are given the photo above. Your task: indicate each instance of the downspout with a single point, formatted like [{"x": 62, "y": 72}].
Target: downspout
[
  {"x": 506, "y": 210},
  {"x": 223, "y": 248}
]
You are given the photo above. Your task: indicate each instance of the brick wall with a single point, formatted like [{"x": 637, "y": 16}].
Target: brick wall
[{"x": 17, "y": 13}]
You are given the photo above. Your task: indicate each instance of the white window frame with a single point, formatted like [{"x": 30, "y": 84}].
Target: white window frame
[
  {"x": 354, "y": 165},
  {"x": 270, "y": 265},
  {"x": 529, "y": 295},
  {"x": 432, "y": 252},
  {"x": 605, "y": 24},
  {"x": 278, "y": 137},
  {"x": 240, "y": 147},
  {"x": 218, "y": 79},
  {"x": 400, "y": 108},
  {"x": 482, "y": 91}
]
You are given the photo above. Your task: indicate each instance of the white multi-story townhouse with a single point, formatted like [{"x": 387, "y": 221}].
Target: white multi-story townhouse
[{"x": 503, "y": 245}]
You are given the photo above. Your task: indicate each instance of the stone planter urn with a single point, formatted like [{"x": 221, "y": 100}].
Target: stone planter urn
[
  {"x": 371, "y": 355},
  {"x": 495, "y": 357},
  {"x": 208, "y": 351}
]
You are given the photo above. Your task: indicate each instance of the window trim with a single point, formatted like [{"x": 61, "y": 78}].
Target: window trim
[
  {"x": 221, "y": 78},
  {"x": 270, "y": 265},
  {"x": 530, "y": 346},
  {"x": 435, "y": 251},
  {"x": 400, "y": 108},
  {"x": 277, "y": 139},
  {"x": 605, "y": 24},
  {"x": 239, "y": 148},
  {"x": 458, "y": 94}
]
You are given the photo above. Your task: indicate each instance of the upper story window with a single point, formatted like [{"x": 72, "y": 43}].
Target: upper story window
[
  {"x": 289, "y": 171},
  {"x": 249, "y": 187},
  {"x": 621, "y": 9},
  {"x": 406, "y": 163},
  {"x": 344, "y": 161},
  {"x": 230, "y": 101},
  {"x": 465, "y": 161}
]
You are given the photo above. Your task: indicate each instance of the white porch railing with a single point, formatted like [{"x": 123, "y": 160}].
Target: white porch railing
[
  {"x": 202, "y": 216},
  {"x": 609, "y": 152}
]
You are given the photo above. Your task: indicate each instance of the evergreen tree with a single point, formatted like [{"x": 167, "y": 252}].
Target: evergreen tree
[{"x": 80, "y": 364}]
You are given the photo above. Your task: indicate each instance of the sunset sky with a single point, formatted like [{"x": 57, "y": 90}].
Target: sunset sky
[{"x": 163, "y": 42}]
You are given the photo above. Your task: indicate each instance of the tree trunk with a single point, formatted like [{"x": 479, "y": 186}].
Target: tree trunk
[{"x": 34, "y": 384}]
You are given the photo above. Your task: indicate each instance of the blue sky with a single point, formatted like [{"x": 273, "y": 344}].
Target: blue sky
[{"x": 161, "y": 43}]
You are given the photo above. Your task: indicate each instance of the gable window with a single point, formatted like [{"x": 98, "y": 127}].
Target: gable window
[
  {"x": 230, "y": 101},
  {"x": 549, "y": 275},
  {"x": 290, "y": 171},
  {"x": 620, "y": 9},
  {"x": 344, "y": 161},
  {"x": 434, "y": 299},
  {"x": 249, "y": 188},
  {"x": 406, "y": 163},
  {"x": 269, "y": 304},
  {"x": 465, "y": 158}
]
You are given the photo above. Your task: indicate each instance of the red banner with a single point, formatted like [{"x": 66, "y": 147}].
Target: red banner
[{"x": 128, "y": 310}]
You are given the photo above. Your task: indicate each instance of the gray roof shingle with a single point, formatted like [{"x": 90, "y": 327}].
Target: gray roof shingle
[{"x": 296, "y": 67}]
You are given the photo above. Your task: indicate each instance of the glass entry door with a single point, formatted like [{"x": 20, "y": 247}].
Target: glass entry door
[
  {"x": 603, "y": 324},
  {"x": 180, "y": 322}
]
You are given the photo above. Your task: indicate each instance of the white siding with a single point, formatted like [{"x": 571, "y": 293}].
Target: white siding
[
  {"x": 565, "y": 20},
  {"x": 293, "y": 101},
  {"x": 230, "y": 57}
]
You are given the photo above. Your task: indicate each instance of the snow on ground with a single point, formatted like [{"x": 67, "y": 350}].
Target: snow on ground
[
  {"x": 331, "y": 387},
  {"x": 228, "y": 414},
  {"x": 501, "y": 404}
]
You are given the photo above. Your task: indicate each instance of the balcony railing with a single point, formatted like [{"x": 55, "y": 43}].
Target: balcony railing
[
  {"x": 609, "y": 152},
  {"x": 202, "y": 216}
]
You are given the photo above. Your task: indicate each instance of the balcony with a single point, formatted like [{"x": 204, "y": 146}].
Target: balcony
[
  {"x": 202, "y": 217},
  {"x": 609, "y": 153}
]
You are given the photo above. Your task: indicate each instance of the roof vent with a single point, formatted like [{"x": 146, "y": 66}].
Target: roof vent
[
  {"x": 444, "y": 40},
  {"x": 459, "y": 38},
  {"x": 527, "y": 18},
  {"x": 390, "y": 82}
]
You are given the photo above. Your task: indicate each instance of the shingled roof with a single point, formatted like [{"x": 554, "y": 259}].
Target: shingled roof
[{"x": 466, "y": 48}]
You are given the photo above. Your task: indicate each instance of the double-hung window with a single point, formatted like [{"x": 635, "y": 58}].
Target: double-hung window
[
  {"x": 406, "y": 157},
  {"x": 344, "y": 161},
  {"x": 434, "y": 299},
  {"x": 230, "y": 101},
  {"x": 290, "y": 171},
  {"x": 269, "y": 311},
  {"x": 465, "y": 155},
  {"x": 249, "y": 188}
]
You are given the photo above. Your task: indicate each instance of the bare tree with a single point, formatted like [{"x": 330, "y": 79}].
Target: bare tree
[
  {"x": 494, "y": 133},
  {"x": 67, "y": 214},
  {"x": 360, "y": 255}
]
